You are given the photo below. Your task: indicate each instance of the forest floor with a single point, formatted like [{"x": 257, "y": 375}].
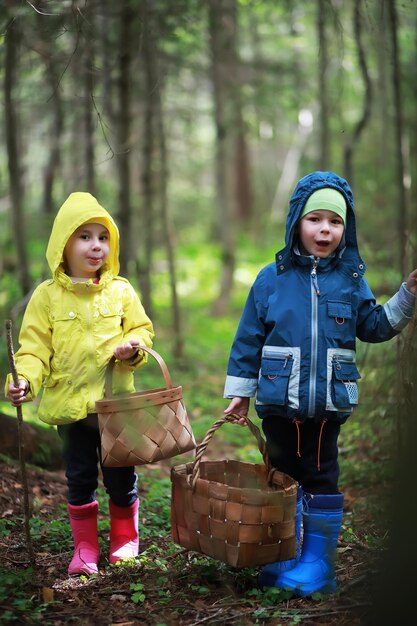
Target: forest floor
[{"x": 169, "y": 586}]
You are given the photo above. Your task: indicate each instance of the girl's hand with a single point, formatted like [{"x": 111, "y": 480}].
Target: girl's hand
[
  {"x": 17, "y": 395},
  {"x": 412, "y": 282},
  {"x": 241, "y": 407},
  {"x": 126, "y": 350}
]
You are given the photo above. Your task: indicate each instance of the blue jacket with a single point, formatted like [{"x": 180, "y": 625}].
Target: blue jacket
[{"x": 295, "y": 346}]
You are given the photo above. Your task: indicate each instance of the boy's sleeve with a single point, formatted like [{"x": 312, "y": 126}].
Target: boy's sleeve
[
  {"x": 246, "y": 351},
  {"x": 376, "y": 322},
  {"x": 35, "y": 339},
  {"x": 136, "y": 325}
]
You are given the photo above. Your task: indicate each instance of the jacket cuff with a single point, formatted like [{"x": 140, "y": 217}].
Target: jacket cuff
[
  {"x": 400, "y": 308},
  {"x": 406, "y": 300},
  {"x": 242, "y": 387},
  {"x": 139, "y": 358}
]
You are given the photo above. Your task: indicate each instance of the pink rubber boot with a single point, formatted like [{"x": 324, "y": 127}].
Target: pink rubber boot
[
  {"x": 124, "y": 535},
  {"x": 83, "y": 521}
]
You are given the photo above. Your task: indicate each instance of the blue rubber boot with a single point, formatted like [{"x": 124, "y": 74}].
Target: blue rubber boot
[
  {"x": 268, "y": 575},
  {"x": 315, "y": 571}
]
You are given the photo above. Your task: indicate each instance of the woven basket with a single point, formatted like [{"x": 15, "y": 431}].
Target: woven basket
[
  {"x": 145, "y": 426},
  {"x": 239, "y": 513}
]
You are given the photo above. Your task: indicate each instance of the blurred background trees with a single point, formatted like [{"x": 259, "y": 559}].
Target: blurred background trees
[{"x": 191, "y": 121}]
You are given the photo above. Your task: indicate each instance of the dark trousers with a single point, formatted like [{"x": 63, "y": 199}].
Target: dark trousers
[
  {"x": 82, "y": 455},
  {"x": 308, "y": 452}
]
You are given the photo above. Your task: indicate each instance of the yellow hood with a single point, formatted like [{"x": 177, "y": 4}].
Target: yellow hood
[{"x": 78, "y": 208}]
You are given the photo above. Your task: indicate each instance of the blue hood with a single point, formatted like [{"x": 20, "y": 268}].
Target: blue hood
[{"x": 305, "y": 187}]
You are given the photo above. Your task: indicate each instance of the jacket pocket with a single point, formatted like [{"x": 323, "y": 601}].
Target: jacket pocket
[
  {"x": 110, "y": 319},
  {"x": 274, "y": 377},
  {"x": 343, "y": 379},
  {"x": 65, "y": 332},
  {"x": 340, "y": 314}
]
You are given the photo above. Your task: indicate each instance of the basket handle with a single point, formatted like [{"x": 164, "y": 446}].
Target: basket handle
[
  {"x": 201, "y": 448},
  {"x": 156, "y": 356}
]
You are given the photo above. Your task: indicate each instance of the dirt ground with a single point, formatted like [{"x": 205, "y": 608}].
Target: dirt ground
[{"x": 188, "y": 591}]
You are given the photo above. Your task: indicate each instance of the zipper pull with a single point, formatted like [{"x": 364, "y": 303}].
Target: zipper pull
[{"x": 314, "y": 276}]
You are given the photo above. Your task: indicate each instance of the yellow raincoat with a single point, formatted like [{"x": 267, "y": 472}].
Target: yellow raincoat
[{"x": 70, "y": 330}]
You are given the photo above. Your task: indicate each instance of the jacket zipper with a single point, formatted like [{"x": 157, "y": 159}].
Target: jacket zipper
[
  {"x": 315, "y": 292},
  {"x": 90, "y": 365}
]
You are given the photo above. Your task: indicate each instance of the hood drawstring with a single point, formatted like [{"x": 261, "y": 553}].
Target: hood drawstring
[{"x": 297, "y": 425}]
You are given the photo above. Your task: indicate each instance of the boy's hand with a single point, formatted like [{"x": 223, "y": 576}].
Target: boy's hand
[
  {"x": 241, "y": 407},
  {"x": 126, "y": 350},
  {"x": 412, "y": 282},
  {"x": 17, "y": 395}
]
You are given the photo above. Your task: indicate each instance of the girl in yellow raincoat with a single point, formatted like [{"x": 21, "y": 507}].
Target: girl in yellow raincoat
[{"x": 73, "y": 324}]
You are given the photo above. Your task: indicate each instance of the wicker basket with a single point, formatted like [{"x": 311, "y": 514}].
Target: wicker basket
[
  {"x": 145, "y": 426},
  {"x": 239, "y": 513}
]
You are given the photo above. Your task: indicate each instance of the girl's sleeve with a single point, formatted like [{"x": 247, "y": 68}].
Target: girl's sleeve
[
  {"x": 246, "y": 351},
  {"x": 35, "y": 339},
  {"x": 136, "y": 324},
  {"x": 376, "y": 322}
]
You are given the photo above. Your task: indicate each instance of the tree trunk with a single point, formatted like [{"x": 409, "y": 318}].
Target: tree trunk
[
  {"x": 324, "y": 114},
  {"x": 396, "y": 577},
  {"x": 88, "y": 115},
  {"x": 52, "y": 78},
  {"x": 156, "y": 164},
  {"x": 124, "y": 124},
  {"x": 13, "y": 156},
  {"x": 145, "y": 250},
  {"x": 106, "y": 55},
  {"x": 222, "y": 23},
  {"x": 243, "y": 193},
  {"x": 166, "y": 218},
  {"x": 382, "y": 100},
  {"x": 399, "y": 126},
  {"x": 366, "y": 112}
]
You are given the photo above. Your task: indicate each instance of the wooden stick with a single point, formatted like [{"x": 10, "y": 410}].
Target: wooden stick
[{"x": 20, "y": 435}]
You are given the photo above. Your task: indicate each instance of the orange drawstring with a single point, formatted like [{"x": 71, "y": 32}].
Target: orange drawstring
[
  {"x": 319, "y": 446},
  {"x": 297, "y": 425}
]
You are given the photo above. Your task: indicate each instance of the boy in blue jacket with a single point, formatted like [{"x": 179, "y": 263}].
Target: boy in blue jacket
[{"x": 295, "y": 351}]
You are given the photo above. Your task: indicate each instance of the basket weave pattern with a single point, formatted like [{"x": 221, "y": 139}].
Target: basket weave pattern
[
  {"x": 144, "y": 427},
  {"x": 239, "y": 513}
]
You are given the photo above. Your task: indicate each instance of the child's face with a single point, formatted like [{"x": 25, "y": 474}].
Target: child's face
[
  {"x": 87, "y": 250},
  {"x": 320, "y": 233}
]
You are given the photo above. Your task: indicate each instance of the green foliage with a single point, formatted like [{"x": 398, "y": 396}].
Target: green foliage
[
  {"x": 138, "y": 595},
  {"x": 17, "y": 590},
  {"x": 156, "y": 507}
]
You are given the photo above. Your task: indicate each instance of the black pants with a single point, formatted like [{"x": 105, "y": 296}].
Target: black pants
[
  {"x": 82, "y": 454},
  {"x": 308, "y": 452}
]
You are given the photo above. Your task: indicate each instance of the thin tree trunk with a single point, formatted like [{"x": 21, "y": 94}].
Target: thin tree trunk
[
  {"x": 222, "y": 22},
  {"x": 156, "y": 163},
  {"x": 57, "y": 123},
  {"x": 124, "y": 124},
  {"x": 106, "y": 55},
  {"x": 382, "y": 100},
  {"x": 166, "y": 218},
  {"x": 399, "y": 130},
  {"x": 145, "y": 251},
  {"x": 88, "y": 115},
  {"x": 366, "y": 111},
  {"x": 13, "y": 156},
  {"x": 324, "y": 115},
  {"x": 243, "y": 191}
]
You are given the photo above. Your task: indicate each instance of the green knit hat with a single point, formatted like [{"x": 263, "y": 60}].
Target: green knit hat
[{"x": 326, "y": 199}]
